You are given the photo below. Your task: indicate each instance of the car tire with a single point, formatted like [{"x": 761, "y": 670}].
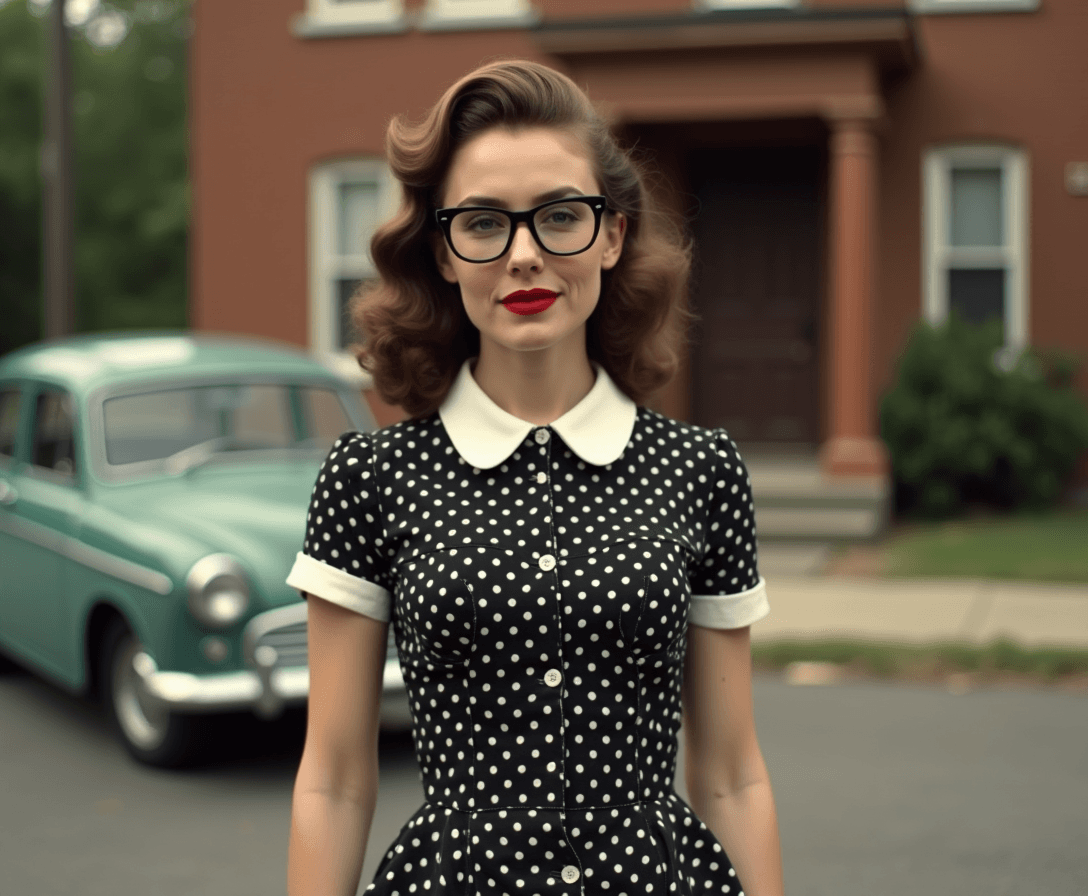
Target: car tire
[
  {"x": 152, "y": 734},
  {"x": 8, "y": 666}
]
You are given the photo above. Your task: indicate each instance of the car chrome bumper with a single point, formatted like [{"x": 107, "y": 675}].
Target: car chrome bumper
[{"x": 274, "y": 650}]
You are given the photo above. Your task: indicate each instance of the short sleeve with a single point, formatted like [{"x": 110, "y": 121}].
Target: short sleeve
[
  {"x": 727, "y": 589},
  {"x": 343, "y": 558}
]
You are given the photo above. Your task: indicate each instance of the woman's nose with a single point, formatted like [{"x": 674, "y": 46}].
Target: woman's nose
[{"x": 524, "y": 251}]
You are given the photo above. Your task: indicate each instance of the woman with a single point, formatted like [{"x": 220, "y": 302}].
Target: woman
[{"x": 566, "y": 571}]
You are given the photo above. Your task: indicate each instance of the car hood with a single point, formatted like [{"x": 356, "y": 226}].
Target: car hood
[{"x": 255, "y": 513}]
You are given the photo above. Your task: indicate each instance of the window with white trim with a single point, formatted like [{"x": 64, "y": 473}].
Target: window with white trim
[
  {"x": 439, "y": 14},
  {"x": 348, "y": 200},
  {"x": 969, "y": 6},
  {"x": 355, "y": 12},
  {"x": 339, "y": 18},
  {"x": 975, "y": 239},
  {"x": 743, "y": 4}
]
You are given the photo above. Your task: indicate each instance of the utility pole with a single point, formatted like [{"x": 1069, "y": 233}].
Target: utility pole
[{"x": 56, "y": 163}]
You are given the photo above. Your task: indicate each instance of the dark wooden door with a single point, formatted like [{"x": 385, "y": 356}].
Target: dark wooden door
[{"x": 757, "y": 288}]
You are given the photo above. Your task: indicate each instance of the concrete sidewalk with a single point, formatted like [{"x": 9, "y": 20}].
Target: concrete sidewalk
[{"x": 922, "y": 611}]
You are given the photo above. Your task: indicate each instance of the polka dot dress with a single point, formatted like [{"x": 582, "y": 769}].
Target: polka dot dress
[{"x": 540, "y": 611}]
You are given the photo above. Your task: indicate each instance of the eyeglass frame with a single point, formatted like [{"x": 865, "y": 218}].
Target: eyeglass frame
[{"x": 444, "y": 218}]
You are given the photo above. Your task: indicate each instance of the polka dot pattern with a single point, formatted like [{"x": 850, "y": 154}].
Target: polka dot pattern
[{"x": 540, "y": 612}]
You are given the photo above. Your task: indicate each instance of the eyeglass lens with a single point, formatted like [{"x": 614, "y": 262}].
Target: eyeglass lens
[{"x": 481, "y": 235}]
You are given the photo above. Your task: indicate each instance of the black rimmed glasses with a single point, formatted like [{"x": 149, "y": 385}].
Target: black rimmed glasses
[{"x": 565, "y": 226}]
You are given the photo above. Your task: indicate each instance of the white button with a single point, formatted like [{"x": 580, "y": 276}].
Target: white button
[
  {"x": 571, "y": 874},
  {"x": 541, "y": 436},
  {"x": 552, "y": 677},
  {"x": 541, "y": 478},
  {"x": 547, "y": 563}
]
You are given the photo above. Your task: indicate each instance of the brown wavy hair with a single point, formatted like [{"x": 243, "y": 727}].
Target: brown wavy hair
[{"x": 415, "y": 333}]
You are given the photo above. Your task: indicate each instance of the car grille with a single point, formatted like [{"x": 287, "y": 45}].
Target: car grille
[{"x": 289, "y": 642}]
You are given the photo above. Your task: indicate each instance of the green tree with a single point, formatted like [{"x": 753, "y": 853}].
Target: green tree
[
  {"x": 20, "y": 177},
  {"x": 131, "y": 193}
]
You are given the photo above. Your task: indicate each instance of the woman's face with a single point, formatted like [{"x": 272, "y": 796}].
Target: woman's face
[{"x": 517, "y": 170}]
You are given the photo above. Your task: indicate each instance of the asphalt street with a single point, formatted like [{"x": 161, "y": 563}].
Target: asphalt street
[{"x": 881, "y": 788}]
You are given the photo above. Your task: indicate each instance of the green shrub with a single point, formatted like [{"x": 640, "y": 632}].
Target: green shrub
[{"x": 962, "y": 429}]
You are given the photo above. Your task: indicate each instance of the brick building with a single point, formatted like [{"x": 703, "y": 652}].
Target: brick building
[{"x": 854, "y": 168}]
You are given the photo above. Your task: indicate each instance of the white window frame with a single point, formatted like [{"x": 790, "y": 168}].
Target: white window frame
[
  {"x": 449, "y": 15},
  {"x": 708, "y": 5},
  {"x": 328, "y": 18},
  {"x": 327, "y": 265},
  {"x": 972, "y": 6},
  {"x": 938, "y": 256}
]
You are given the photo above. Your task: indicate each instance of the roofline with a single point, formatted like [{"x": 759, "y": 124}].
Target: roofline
[{"x": 889, "y": 32}]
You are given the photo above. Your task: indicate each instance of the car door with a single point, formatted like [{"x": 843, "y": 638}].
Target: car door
[
  {"x": 12, "y": 408},
  {"x": 46, "y": 514}
]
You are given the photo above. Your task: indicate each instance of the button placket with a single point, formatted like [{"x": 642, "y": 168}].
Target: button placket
[
  {"x": 553, "y": 678},
  {"x": 547, "y": 562}
]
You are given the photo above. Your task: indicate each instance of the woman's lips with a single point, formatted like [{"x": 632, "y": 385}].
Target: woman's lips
[{"x": 529, "y": 301}]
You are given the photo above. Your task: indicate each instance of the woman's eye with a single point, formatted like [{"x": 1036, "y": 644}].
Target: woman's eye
[
  {"x": 484, "y": 224},
  {"x": 561, "y": 216}
]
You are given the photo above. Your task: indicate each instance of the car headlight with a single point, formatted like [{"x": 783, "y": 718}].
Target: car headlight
[{"x": 218, "y": 590}]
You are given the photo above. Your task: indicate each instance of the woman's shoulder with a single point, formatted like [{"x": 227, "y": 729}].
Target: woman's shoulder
[
  {"x": 412, "y": 434},
  {"x": 650, "y": 424}
]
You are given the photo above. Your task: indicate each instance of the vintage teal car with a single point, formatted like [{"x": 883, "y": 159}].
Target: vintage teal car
[{"x": 153, "y": 495}]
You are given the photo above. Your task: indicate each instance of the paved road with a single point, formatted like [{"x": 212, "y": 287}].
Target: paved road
[{"x": 882, "y": 789}]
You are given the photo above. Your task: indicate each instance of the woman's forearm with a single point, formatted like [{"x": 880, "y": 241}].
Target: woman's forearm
[
  {"x": 746, "y": 824},
  {"x": 328, "y": 842}
]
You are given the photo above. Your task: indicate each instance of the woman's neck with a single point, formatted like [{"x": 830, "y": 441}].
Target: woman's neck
[{"x": 538, "y": 387}]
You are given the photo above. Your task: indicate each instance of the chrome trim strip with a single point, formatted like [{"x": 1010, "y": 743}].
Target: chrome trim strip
[
  {"x": 261, "y": 624},
  {"x": 278, "y": 685},
  {"x": 183, "y": 692},
  {"x": 85, "y": 555}
]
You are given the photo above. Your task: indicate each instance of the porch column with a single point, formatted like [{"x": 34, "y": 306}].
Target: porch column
[{"x": 852, "y": 446}]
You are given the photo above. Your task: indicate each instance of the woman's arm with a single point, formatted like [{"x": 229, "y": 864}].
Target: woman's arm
[
  {"x": 726, "y": 777},
  {"x": 337, "y": 784}
]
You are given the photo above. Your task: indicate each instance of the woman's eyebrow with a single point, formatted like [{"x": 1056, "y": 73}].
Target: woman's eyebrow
[{"x": 492, "y": 202}]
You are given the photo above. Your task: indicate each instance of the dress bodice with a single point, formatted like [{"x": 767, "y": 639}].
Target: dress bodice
[{"x": 540, "y": 610}]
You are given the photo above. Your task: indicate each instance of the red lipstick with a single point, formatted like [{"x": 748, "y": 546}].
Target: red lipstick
[{"x": 529, "y": 301}]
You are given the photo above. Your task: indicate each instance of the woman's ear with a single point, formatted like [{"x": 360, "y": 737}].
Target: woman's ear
[
  {"x": 442, "y": 259},
  {"x": 614, "y": 228}
]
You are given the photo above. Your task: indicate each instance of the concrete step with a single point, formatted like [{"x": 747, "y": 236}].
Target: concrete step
[
  {"x": 806, "y": 523},
  {"x": 795, "y": 501},
  {"x": 782, "y": 558}
]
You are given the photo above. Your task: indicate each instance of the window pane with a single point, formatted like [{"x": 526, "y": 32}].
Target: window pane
[
  {"x": 345, "y": 290},
  {"x": 978, "y": 294},
  {"x": 976, "y": 207},
  {"x": 326, "y": 419},
  {"x": 52, "y": 447},
  {"x": 9, "y": 420},
  {"x": 262, "y": 418},
  {"x": 155, "y": 425},
  {"x": 358, "y": 217}
]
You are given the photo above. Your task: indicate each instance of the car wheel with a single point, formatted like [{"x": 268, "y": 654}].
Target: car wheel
[
  {"x": 8, "y": 666},
  {"x": 151, "y": 733}
]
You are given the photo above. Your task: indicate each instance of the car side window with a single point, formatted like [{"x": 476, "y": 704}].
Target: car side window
[
  {"x": 326, "y": 419},
  {"x": 10, "y": 404},
  {"x": 53, "y": 445}
]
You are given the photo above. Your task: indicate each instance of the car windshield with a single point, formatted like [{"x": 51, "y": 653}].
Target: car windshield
[{"x": 185, "y": 426}]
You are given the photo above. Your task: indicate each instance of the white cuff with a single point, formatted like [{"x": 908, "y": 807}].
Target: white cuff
[
  {"x": 312, "y": 576},
  {"x": 730, "y": 610}
]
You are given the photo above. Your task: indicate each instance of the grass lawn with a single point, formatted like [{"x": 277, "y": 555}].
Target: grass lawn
[
  {"x": 999, "y": 661},
  {"x": 1045, "y": 547}
]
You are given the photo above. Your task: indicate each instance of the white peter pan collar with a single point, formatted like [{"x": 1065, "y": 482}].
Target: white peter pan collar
[{"x": 597, "y": 429}]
